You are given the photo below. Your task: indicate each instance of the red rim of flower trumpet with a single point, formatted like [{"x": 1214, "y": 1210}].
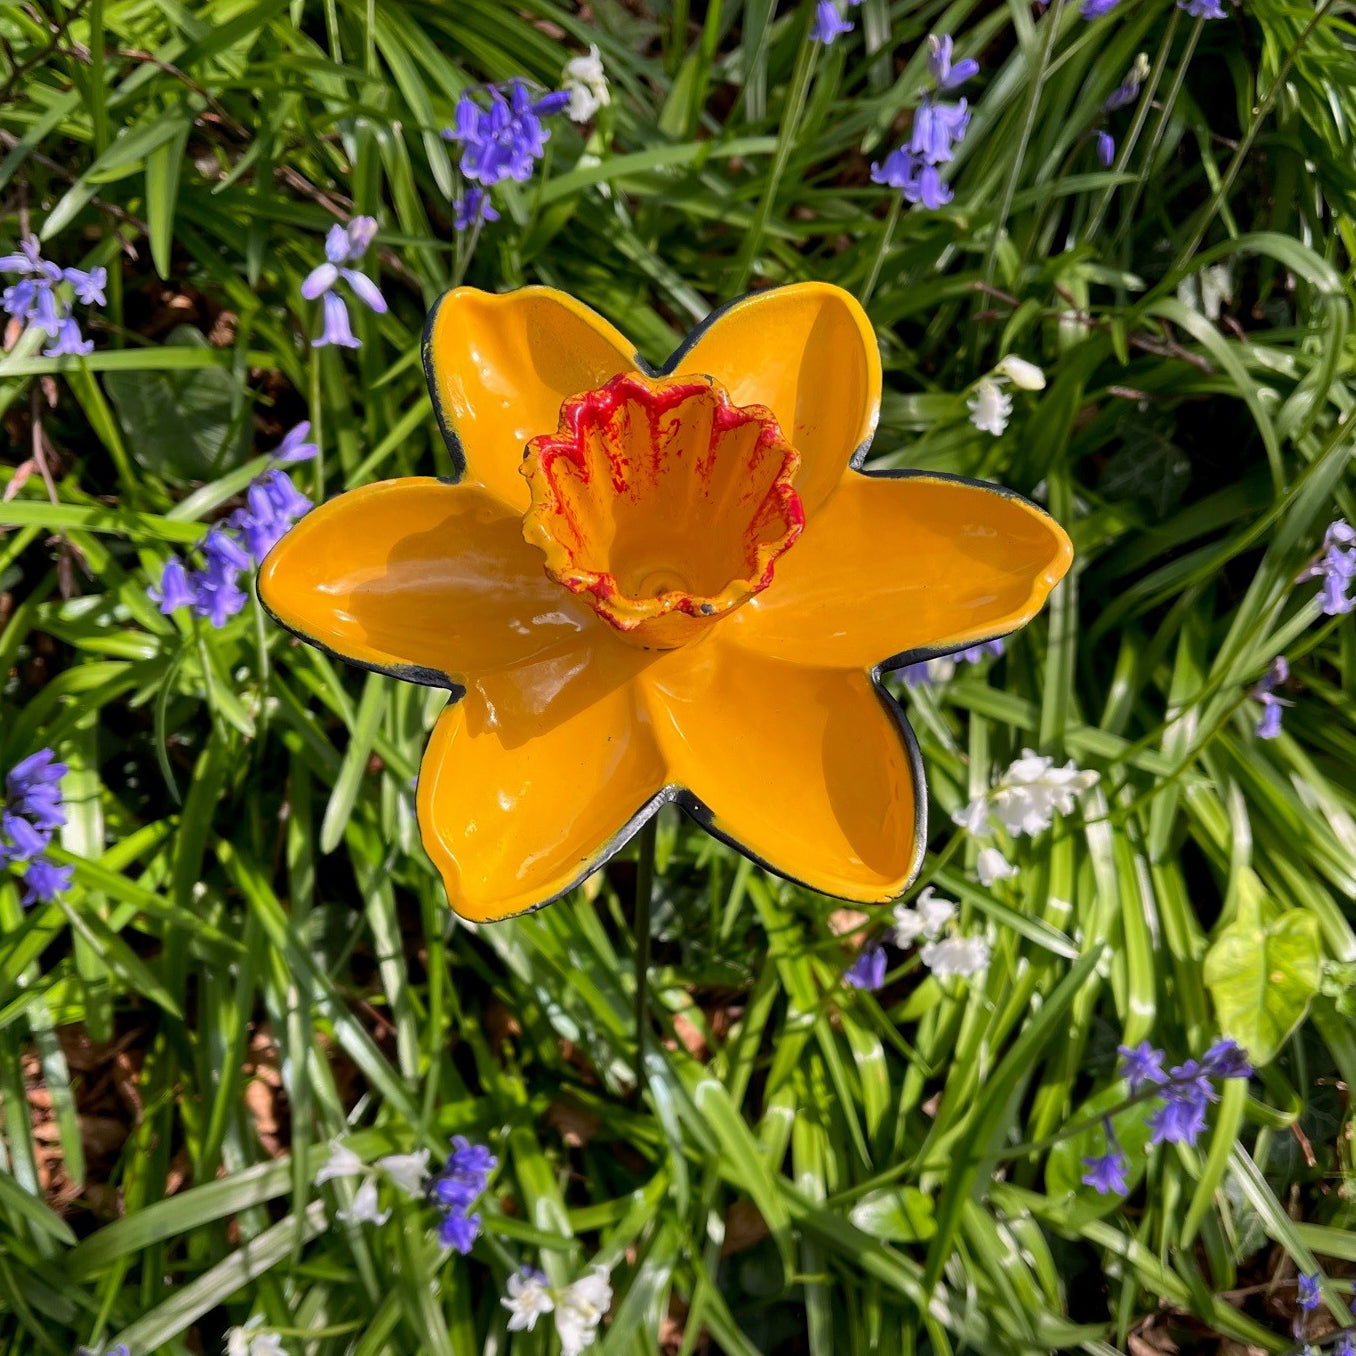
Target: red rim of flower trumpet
[{"x": 662, "y": 503}]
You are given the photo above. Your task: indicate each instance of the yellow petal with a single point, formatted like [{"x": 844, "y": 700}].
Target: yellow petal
[
  {"x": 890, "y": 566},
  {"x": 499, "y": 368},
  {"x": 432, "y": 582},
  {"x": 517, "y": 808},
  {"x": 812, "y": 771},
  {"x": 808, "y": 353}
]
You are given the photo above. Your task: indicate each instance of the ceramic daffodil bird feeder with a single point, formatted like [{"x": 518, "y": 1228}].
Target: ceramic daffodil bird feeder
[{"x": 661, "y": 585}]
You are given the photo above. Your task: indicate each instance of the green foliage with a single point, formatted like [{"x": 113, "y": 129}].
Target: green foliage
[{"x": 254, "y": 931}]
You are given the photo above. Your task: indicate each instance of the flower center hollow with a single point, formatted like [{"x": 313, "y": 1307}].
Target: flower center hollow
[{"x": 662, "y": 504}]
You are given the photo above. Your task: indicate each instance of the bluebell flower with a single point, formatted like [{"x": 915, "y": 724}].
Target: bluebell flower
[
  {"x": 25, "y": 840},
  {"x": 1106, "y": 149},
  {"x": 1179, "y": 1120},
  {"x": 1127, "y": 91},
  {"x": 828, "y": 24},
  {"x": 1141, "y": 1066},
  {"x": 472, "y": 209},
  {"x": 1203, "y": 9},
  {"x": 1226, "y": 1059},
  {"x": 1097, "y": 9},
  {"x": 69, "y": 341},
  {"x": 937, "y": 128},
  {"x": 920, "y": 183},
  {"x": 217, "y": 595},
  {"x": 336, "y": 329},
  {"x": 174, "y": 590},
  {"x": 505, "y": 140},
  {"x": 1309, "y": 1294},
  {"x": 1269, "y": 724},
  {"x": 34, "y": 302},
  {"x": 344, "y": 246},
  {"x": 463, "y": 1178},
  {"x": 930, "y": 671},
  {"x": 224, "y": 553},
  {"x": 89, "y": 287},
  {"x": 867, "y": 971},
  {"x": 296, "y": 445},
  {"x": 1105, "y": 1173},
  {"x": 943, "y": 72},
  {"x": 44, "y": 881},
  {"x": 1336, "y": 567},
  {"x": 1346, "y": 1344},
  {"x": 272, "y": 505},
  {"x": 33, "y": 790}
]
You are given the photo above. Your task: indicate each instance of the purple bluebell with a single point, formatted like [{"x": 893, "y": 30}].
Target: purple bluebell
[
  {"x": 45, "y": 314},
  {"x": 937, "y": 128},
  {"x": 1105, "y": 1173},
  {"x": 929, "y": 671},
  {"x": 1203, "y": 9},
  {"x": 472, "y": 209},
  {"x": 1308, "y": 1294},
  {"x": 867, "y": 971},
  {"x": 1336, "y": 567},
  {"x": 70, "y": 343},
  {"x": 1141, "y": 1066},
  {"x": 344, "y": 245},
  {"x": 296, "y": 445},
  {"x": 89, "y": 286},
  {"x": 336, "y": 329},
  {"x": 1269, "y": 723},
  {"x": 463, "y": 1179},
  {"x": 44, "y": 881},
  {"x": 25, "y": 841},
  {"x": 1125, "y": 93},
  {"x": 828, "y": 25},
  {"x": 1097, "y": 9},
  {"x": 1226, "y": 1059},
  {"x": 33, "y": 786},
  {"x": 217, "y": 595},
  {"x": 1346, "y": 1344},
  {"x": 223, "y": 552},
  {"x": 1269, "y": 726},
  {"x": 288, "y": 502},
  {"x": 943, "y": 72},
  {"x": 1179, "y": 1120},
  {"x": 34, "y": 301},
  {"x": 174, "y": 590},
  {"x": 505, "y": 140},
  {"x": 1106, "y": 149}
]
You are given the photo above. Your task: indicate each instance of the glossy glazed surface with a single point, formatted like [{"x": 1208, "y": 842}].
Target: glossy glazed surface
[{"x": 767, "y": 724}]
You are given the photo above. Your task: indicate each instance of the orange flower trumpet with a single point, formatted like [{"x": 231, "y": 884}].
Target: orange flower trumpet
[{"x": 662, "y": 585}]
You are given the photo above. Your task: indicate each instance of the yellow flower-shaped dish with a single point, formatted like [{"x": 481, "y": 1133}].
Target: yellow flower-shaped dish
[{"x": 665, "y": 585}]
